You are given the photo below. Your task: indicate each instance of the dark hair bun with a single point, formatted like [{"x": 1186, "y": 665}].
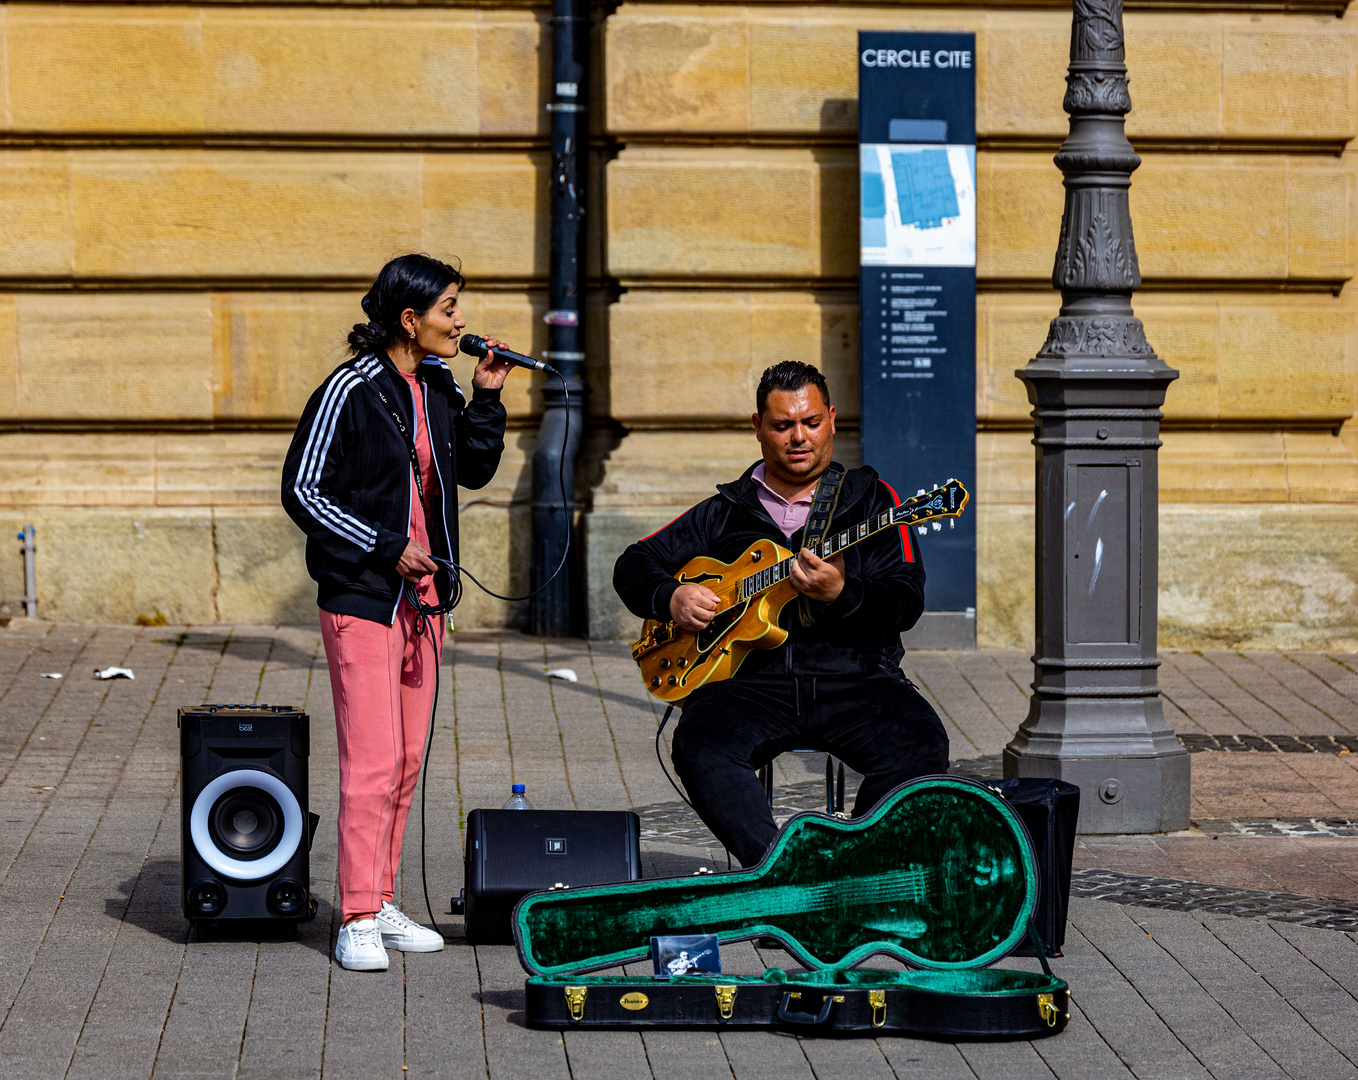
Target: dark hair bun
[
  {"x": 411, "y": 281},
  {"x": 368, "y": 337}
]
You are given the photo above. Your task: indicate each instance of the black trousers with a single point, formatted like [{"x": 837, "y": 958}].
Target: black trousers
[{"x": 878, "y": 725}]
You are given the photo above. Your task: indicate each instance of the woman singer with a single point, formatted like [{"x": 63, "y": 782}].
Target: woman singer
[{"x": 371, "y": 477}]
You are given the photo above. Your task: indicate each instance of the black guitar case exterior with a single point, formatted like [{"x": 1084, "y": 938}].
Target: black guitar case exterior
[{"x": 939, "y": 876}]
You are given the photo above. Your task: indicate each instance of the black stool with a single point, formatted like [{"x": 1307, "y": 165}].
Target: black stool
[{"x": 834, "y": 782}]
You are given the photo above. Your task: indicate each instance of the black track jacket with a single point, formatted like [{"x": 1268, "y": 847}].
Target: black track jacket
[
  {"x": 347, "y": 478},
  {"x": 858, "y": 634}
]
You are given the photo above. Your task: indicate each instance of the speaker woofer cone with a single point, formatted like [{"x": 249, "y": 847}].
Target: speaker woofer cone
[
  {"x": 286, "y": 898},
  {"x": 206, "y": 898},
  {"x": 240, "y": 791},
  {"x": 246, "y": 823}
]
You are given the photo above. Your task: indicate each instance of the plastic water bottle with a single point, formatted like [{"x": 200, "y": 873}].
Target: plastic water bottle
[{"x": 517, "y": 800}]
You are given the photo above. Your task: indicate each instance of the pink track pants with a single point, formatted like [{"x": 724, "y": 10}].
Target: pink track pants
[{"x": 382, "y": 678}]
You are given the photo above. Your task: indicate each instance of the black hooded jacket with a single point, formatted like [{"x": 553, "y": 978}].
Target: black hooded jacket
[
  {"x": 859, "y": 633},
  {"x": 347, "y": 478}
]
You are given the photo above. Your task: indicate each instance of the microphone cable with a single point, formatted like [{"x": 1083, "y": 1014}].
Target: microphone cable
[
  {"x": 659, "y": 731},
  {"x": 424, "y": 613}
]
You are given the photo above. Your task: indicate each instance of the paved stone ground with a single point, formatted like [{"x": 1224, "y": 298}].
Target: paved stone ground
[{"x": 103, "y": 981}]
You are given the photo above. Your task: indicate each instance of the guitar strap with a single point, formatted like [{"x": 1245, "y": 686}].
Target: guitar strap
[{"x": 817, "y": 527}]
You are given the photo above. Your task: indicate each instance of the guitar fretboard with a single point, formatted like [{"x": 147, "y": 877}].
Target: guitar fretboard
[
  {"x": 941, "y": 502},
  {"x": 832, "y": 545}
]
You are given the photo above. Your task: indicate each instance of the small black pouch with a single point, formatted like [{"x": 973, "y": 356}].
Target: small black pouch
[{"x": 1050, "y": 809}]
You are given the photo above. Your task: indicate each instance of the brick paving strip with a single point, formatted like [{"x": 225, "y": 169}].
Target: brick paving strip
[
  {"x": 1297, "y": 827},
  {"x": 1287, "y": 744},
  {"x": 1175, "y": 895},
  {"x": 104, "y": 982}
]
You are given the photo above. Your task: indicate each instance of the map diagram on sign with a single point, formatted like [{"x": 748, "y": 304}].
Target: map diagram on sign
[{"x": 918, "y": 205}]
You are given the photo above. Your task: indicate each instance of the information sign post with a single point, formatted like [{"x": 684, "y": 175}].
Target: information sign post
[{"x": 917, "y": 294}]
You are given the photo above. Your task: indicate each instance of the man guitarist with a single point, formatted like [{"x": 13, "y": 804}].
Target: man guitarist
[{"x": 836, "y": 683}]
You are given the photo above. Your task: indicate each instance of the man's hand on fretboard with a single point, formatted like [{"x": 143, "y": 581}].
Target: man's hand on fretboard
[{"x": 818, "y": 579}]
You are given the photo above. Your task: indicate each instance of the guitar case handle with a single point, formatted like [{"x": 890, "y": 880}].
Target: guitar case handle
[{"x": 798, "y": 1017}]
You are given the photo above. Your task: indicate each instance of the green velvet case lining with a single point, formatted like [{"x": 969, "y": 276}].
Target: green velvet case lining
[{"x": 939, "y": 875}]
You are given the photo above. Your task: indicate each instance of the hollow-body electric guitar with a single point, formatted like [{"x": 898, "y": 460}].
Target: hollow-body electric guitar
[{"x": 751, "y": 594}]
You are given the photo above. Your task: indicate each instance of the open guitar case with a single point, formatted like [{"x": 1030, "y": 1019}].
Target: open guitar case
[{"x": 940, "y": 876}]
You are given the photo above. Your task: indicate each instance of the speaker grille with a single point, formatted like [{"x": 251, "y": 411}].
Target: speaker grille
[{"x": 246, "y": 824}]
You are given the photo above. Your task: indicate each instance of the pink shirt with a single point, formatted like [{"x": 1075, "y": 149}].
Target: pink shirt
[
  {"x": 788, "y": 516},
  {"x": 424, "y": 453}
]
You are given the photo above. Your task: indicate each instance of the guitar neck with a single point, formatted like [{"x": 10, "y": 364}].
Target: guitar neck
[
  {"x": 729, "y": 907},
  {"x": 831, "y": 545}
]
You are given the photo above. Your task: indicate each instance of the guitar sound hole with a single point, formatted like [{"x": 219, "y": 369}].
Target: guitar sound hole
[{"x": 714, "y": 630}]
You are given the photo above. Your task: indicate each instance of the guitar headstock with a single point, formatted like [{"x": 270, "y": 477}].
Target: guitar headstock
[{"x": 945, "y": 501}]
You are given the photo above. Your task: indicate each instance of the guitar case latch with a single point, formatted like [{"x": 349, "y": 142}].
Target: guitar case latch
[
  {"x": 575, "y": 1001},
  {"x": 726, "y": 1001}
]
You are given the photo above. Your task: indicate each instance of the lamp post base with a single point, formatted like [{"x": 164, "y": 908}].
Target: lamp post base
[{"x": 1133, "y": 777}]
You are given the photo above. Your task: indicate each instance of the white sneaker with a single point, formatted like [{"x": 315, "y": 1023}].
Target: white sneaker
[
  {"x": 401, "y": 932},
  {"x": 359, "y": 947}
]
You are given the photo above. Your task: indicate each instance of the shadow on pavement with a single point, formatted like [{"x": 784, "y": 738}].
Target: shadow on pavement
[
  {"x": 214, "y": 641},
  {"x": 150, "y": 901},
  {"x": 521, "y": 667},
  {"x": 511, "y": 1000}
]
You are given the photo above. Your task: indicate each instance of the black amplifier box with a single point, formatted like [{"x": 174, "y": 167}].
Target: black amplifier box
[{"x": 511, "y": 853}]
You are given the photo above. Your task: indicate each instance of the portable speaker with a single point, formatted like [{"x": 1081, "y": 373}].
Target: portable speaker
[
  {"x": 511, "y": 853},
  {"x": 246, "y": 832}
]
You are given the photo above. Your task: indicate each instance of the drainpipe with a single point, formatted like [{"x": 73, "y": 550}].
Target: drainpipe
[{"x": 552, "y": 612}]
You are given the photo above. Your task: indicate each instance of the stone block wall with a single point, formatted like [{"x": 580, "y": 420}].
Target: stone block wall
[
  {"x": 731, "y": 217},
  {"x": 193, "y": 198}
]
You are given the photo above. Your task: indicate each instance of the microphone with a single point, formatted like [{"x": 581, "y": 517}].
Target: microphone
[{"x": 475, "y": 345}]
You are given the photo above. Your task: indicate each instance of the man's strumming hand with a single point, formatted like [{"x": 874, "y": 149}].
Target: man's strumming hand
[
  {"x": 692, "y": 607},
  {"x": 819, "y": 579}
]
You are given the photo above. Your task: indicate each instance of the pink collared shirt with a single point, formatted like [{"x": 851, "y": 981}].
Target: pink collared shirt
[{"x": 788, "y": 516}]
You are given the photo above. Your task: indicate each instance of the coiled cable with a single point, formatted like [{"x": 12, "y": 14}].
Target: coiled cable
[{"x": 424, "y": 613}]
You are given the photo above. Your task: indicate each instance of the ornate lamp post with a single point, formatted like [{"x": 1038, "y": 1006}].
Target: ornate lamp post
[{"x": 1096, "y": 387}]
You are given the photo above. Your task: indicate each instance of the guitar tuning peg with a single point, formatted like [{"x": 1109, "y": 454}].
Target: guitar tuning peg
[
  {"x": 920, "y": 491},
  {"x": 938, "y": 527},
  {"x": 952, "y": 523},
  {"x": 922, "y": 529}
]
